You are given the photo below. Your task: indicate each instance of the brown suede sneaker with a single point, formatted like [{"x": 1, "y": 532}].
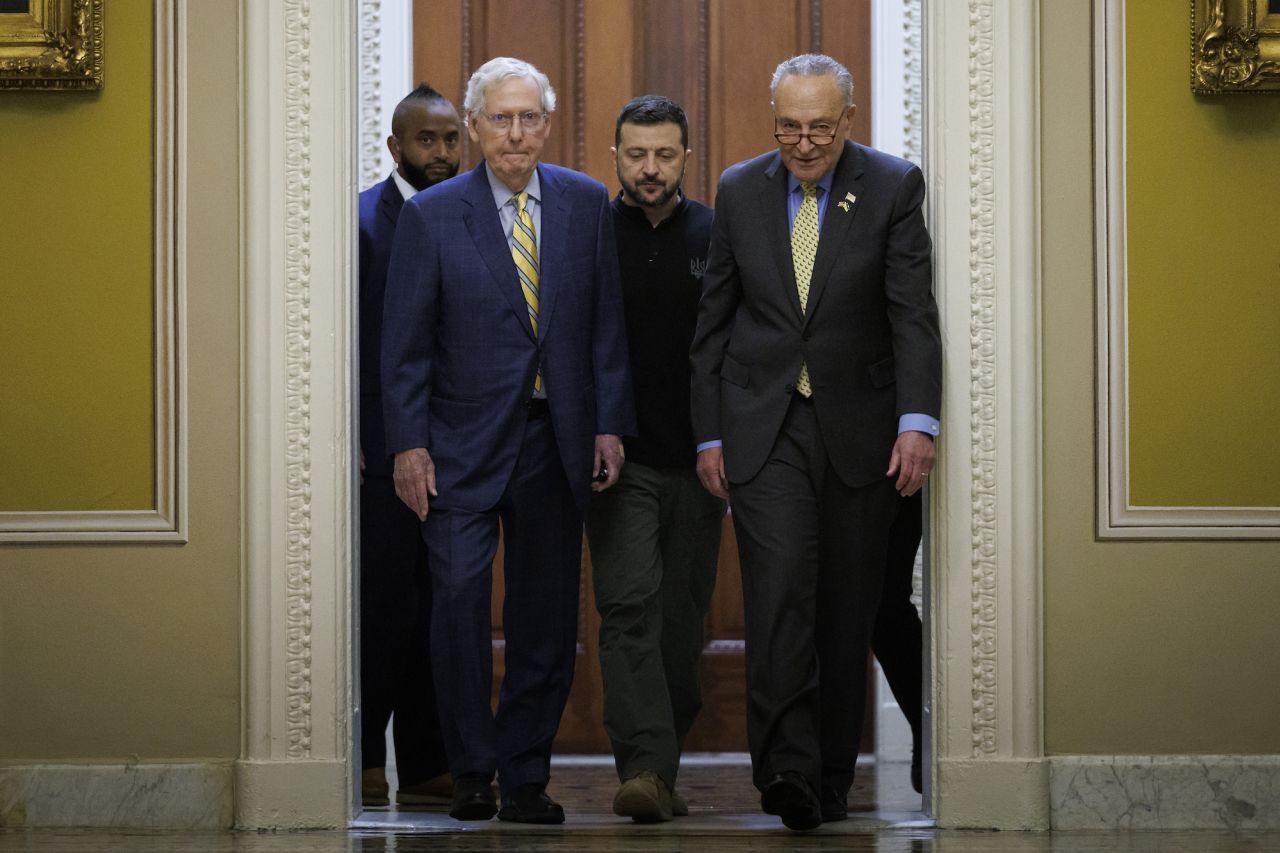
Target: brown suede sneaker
[{"x": 644, "y": 798}]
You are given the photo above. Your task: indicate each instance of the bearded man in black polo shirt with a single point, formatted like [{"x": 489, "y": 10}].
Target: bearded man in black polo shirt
[{"x": 655, "y": 535}]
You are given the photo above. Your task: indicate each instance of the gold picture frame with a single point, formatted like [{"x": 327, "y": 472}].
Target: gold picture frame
[
  {"x": 53, "y": 44},
  {"x": 1235, "y": 46}
]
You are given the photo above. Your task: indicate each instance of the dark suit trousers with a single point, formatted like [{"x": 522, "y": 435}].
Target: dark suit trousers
[
  {"x": 897, "y": 641},
  {"x": 395, "y": 624},
  {"x": 812, "y": 552},
  {"x": 542, "y": 532}
]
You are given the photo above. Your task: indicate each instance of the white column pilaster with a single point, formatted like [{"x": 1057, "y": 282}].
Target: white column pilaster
[
  {"x": 298, "y": 190},
  {"x": 981, "y": 159}
]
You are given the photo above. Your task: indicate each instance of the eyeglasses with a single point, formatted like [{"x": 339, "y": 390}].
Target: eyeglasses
[
  {"x": 530, "y": 120},
  {"x": 823, "y": 136}
]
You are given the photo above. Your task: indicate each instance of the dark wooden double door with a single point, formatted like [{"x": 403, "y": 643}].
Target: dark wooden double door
[{"x": 715, "y": 57}]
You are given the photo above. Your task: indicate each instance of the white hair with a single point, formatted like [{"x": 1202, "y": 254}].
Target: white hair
[
  {"x": 502, "y": 68},
  {"x": 814, "y": 65}
]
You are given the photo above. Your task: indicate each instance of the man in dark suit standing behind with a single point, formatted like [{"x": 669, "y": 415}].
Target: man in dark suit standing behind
[
  {"x": 506, "y": 387},
  {"x": 395, "y": 588},
  {"x": 816, "y": 393}
]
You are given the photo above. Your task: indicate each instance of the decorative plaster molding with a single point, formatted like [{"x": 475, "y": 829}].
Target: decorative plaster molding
[
  {"x": 981, "y": 161},
  {"x": 167, "y": 522},
  {"x": 912, "y": 87},
  {"x": 983, "y": 408},
  {"x": 371, "y": 121},
  {"x": 1118, "y": 517},
  {"x": 299, "y": 475},
  {"x": 297, "y": 366}
]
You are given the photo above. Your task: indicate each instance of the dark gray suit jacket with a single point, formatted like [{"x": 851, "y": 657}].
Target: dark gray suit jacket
[{"x": 870, "y": 334}]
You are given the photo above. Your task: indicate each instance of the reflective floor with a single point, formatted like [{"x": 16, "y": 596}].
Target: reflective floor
[{"x": 724, "y": 816}]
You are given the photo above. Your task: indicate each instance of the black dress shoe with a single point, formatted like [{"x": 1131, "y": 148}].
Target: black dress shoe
[
  {"x": 834, "y": 804},
  {"x": 790, "y": 796},
  {"x": 473, "y": 798},
  {"x": 530, "y": 804}
]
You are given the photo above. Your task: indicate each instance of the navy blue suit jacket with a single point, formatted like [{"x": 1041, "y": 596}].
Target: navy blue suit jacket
[
  {"x": 459, "y": 353},
  {"x": 379, "y": 208}
]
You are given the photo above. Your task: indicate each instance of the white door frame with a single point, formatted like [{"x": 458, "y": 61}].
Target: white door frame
[{"x": 299, "y": 179}]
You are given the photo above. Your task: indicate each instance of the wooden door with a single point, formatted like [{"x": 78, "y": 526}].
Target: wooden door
[{"x": 715, "y": 57}]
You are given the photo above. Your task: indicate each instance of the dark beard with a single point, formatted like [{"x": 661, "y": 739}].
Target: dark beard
[
  {"x": 418, "y": 177},
  {"x": 633, "y": 193}
]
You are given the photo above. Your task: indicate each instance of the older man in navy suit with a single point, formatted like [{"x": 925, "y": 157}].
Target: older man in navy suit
[
  {"x": 395, "y": 588},
  {"x": 506, "y": 387}
]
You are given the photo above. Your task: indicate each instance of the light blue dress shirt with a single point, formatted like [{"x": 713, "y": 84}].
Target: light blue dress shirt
[{"x": 503, "y": 199}]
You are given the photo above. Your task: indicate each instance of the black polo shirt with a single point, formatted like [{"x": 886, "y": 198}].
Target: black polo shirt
[{"x": 662, "y": 271}]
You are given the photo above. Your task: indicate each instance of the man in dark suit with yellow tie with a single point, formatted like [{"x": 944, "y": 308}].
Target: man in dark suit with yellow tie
[
  {"x": 506, "y": 387},
  {"x": 816, "y": 393}
]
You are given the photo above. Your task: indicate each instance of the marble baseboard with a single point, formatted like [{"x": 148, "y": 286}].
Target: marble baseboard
[
  {"x": 133, "y": 796},
  {"x": 1237, "y": 792}
]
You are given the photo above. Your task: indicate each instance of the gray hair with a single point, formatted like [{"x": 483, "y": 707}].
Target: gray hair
[
  {"x": 814, "y": 65},
  {"x": 502, "y": 68}
]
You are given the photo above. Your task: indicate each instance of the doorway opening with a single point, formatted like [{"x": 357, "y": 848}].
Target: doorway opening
[{"x": 693, "y": 52}]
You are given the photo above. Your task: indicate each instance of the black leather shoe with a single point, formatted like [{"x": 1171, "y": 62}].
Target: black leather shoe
[
  {"x": 834, "y": 805},
  {"x": 790, "y": 796},
  {"x": 530, "y": 804},
  {"x": 473, "y": 798}
]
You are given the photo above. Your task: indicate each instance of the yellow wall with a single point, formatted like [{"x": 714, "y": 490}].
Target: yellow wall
[
  {"x": 109, "y": 653},
  {"x": 1150, "y": 647},
  {"x": 1204, "y": 278},
  {"x": 76, "y": 348}
]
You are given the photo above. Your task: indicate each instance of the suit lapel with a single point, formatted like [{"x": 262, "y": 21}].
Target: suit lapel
[
  {"x": 491, "y": 244},
  {"x": 390, "y": 200},
  {"x": 773, "y": 200},
  {"x": 552, "y": 250},
  {"x": 834, "y": 237}
]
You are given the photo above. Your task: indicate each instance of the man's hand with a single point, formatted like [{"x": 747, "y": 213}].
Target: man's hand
[
  {"x": 415, "y": 477},
  {"x": 609, "y": 456},
  {"x": 911, "y": 461},
  {"x": 711, "y": 472}
]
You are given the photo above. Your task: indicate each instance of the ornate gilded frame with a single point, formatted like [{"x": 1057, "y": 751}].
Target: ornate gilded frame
[
  {"x": 55, "y": 44},
  {"x": 1235, "y": 46}
]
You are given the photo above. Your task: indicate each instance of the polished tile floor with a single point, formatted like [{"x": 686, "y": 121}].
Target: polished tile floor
[{"x": 724, "y": 816}]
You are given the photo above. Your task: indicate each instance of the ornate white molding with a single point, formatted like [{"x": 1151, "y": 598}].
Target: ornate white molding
[
  {"x": 167, "y": 521},
  {"x": 897, "y": 102},
  {"x": 298, "y": 254},
  {"x": 386, "y": 76},
  {"x": 981, "y": 152},
  {"x": 1118, "y": 516}
]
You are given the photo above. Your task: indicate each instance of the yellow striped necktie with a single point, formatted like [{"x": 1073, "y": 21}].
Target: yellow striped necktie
[
  {"x": 524, "y": 251},
  {"x": 804, "y": 248}
]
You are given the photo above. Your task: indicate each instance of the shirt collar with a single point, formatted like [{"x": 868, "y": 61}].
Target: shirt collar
[
  {"x": 407, "y": 189},
  {"x": 824, "y": 183},
  {"x": 502, "y": 193}
]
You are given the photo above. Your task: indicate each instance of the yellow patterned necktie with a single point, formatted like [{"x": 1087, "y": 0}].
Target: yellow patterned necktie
[
  {"x": 804, "y": 248},
  {"x": 524, "y": 251}
]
